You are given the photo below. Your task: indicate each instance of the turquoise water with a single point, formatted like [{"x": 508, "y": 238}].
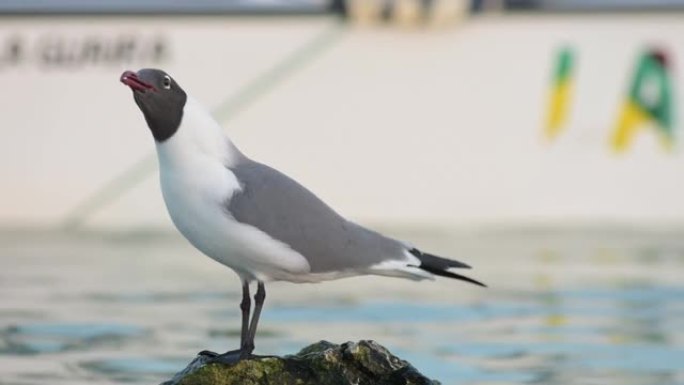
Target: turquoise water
[{"x": 564, "y": 307}]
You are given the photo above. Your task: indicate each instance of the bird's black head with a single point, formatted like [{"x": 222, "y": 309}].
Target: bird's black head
[{"x": 160, "y": 99}]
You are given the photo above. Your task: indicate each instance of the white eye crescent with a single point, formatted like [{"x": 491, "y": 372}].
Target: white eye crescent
[{"x": 166, "y": 82}]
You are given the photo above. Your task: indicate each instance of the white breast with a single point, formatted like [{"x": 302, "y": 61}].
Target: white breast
[{"x": 196, "y": 185}]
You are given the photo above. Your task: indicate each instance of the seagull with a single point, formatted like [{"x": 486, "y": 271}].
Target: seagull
[{"x": 254, "y": 219}]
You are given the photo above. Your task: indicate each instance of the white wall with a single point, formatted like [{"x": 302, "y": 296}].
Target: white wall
[{"x": 413, "y": 126}]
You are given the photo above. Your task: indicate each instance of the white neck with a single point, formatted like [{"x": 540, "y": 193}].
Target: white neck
[{"x": 198, "y": 137}]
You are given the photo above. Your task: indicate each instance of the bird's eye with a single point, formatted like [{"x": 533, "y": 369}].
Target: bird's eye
[{"x": 166, "y": 82}]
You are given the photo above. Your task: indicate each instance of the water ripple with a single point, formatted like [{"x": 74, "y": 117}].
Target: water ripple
[{"x": 55, "y": 337}]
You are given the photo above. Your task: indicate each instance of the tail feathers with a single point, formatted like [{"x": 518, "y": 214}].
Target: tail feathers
[{"x": 440, "y": 266}]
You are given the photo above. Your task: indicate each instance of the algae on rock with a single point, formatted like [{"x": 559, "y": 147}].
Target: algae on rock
[{"x": 323, "y": 363}]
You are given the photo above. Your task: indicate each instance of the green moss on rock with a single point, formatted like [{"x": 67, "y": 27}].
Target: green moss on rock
[{"x": 322, "y": 363}]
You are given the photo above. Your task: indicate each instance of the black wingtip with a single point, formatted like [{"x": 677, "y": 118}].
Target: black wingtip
[
  {"x": 440, "y": 266},
  {"x": 448, "y": 274},
  {"x": 438, "y": 262}
]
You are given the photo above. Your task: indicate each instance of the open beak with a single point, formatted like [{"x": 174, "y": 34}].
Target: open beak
[{"x": 131, "y": 79}]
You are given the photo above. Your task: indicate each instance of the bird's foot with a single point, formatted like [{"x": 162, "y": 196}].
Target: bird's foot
[
  {"x": 207, "y": 353},
  {"x": 229, "y": 357}
]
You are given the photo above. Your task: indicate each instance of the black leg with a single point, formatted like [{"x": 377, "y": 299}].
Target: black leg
[
  {"x": 233, "y": 355},
  {"x": 259, "y": 298},
  {"x": 245, "y": 307}
]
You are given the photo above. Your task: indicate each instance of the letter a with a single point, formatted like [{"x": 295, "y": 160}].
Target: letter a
[{"x": 649, "y": 101}]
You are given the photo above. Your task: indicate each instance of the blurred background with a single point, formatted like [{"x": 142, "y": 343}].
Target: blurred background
[{"x": 538, "y": 141}]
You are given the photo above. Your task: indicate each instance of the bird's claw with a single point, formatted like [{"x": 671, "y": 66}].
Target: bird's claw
[
  {"x": 207, "y": 353},
  {"x": 230, "y": 357}
]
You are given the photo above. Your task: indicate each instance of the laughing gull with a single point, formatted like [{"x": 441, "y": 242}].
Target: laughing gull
[{"x": 254, "y": 219}]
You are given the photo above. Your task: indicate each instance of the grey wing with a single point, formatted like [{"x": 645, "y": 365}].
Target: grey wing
[{"x": 288, "y": 212}]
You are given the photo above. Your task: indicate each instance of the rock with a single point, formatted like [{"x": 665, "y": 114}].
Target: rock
[{"x": 323, "y": 363}]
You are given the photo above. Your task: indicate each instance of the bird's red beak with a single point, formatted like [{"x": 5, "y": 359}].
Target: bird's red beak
[{"x": 131, "y": 79}]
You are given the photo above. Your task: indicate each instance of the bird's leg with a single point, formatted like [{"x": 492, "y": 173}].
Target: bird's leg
[
  {"x": 259, "y": 298},
  {"x": 245, "y": 307},
  {"x": 234, "y": 355}
]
